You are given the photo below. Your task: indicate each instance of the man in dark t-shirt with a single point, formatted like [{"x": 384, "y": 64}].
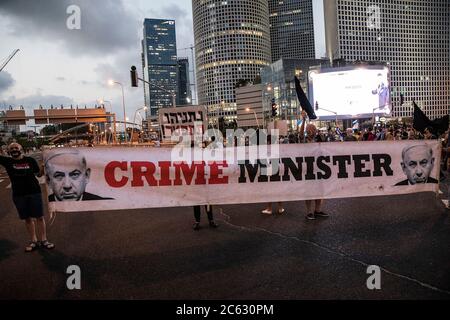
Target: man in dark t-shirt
[{"x": 26, "y": 193}]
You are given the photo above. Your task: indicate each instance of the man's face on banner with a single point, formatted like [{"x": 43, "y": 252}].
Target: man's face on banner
[
  {"x": 68, "y": 176},
  {"x": 417, "y": 164}
]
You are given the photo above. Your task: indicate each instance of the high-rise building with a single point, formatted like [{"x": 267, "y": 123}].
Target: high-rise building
[
  {"x": 291, "y": 29},
  {"x": 232, "y": 41},
  {"x": 184, "y": 87},
  {"x": 412, "y": 36},
  {"x": 160, "y": 64}
]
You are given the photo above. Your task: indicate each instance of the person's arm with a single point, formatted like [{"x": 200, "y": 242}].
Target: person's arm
[
  {"x": 3, "y": 160},
  {"x": 302, "y": 127},
  {"x": 37, "y": 169}
]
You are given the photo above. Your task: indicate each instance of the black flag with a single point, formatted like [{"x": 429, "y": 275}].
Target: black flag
[
  {"x": 304, "y": 102},
  {"x": 421, "y": 121}
]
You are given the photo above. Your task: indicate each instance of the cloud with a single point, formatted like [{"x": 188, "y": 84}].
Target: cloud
[
  {"x": 6, "y": 81},
  {"x": 105, "y": 28}
]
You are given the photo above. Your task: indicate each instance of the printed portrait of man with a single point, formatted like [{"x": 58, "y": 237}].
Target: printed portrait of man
[
  {"x": 417, "y": 164},
  {"x": 67, "y": 175}
]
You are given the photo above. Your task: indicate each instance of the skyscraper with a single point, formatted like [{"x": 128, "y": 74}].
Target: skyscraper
[
  {"x": 412, "y": 36},
  {"x": 232, "y": 41},
  {"x": 184, "y": 87},
  {"x": 160, "y": 64},
  {"x": 291, "y": 29}
]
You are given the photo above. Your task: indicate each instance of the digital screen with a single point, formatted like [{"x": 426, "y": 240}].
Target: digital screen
[{"x": 351, "y": 91}]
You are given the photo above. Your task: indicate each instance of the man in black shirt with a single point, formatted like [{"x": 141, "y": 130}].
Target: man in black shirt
[{"x": 26, "y": 193}]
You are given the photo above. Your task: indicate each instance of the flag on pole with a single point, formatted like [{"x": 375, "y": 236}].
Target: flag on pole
[
  {"x": 421, "y": 121},
  {"x": 304, "y": 102}
]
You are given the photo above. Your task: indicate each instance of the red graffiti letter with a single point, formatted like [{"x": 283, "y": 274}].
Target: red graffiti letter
[
  {"x": 215, "y": 171},
  {"x": 110, "y": 174},
  {"x": 165, "y": 173},
  {"x": 139, "y": 173},
  {"x": 188, "y": 173}
]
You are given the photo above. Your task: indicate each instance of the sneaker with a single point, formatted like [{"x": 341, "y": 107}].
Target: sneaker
[
  {"x": 213, "y": 224},
  {"x": 310, "y": 216},
  {"x": 265, "y": 211},
  {"x": 196, "y": 226},
  {"x": 321, "y": 214}
]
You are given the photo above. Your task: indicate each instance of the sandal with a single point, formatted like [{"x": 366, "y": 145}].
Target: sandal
[
  {"x": 47, "y": 245},
  {"x": 31, "y": 246}
]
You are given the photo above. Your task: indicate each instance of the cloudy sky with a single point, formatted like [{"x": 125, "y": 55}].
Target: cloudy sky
[{"x": 57, "y": 66}]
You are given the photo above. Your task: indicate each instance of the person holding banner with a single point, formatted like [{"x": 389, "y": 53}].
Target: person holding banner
[
  {"x": 27, "y": 195},
  {"x": 311, "y": 137},
  {"x": 209, "y": 212}
]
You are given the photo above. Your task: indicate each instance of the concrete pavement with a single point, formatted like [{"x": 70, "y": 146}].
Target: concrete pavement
[{"x": 154, "y": 254}]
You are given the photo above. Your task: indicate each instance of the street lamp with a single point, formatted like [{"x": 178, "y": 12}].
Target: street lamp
[
  {"x": 331, "y": 111},
  {"x": 134, "y": 121},
  {"x": 373, "y": 114},
  {"x": 256, "y": 118},
  {"x": 111, "y": 83}
]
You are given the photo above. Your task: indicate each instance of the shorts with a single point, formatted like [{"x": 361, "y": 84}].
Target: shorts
[{"x": 29, "y": 206}]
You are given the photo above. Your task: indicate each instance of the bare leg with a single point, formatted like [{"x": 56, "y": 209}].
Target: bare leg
[
  {"x": 280, "y": 207},
  {"x": 319, "y": 203},
  {"x": 31, "y": 229},
  {"x": 42, "y": 230},
  {"x": 308, "y": 206}
]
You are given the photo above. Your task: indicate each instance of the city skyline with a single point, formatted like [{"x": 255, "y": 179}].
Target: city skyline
[{"x": 73, "y": 66}]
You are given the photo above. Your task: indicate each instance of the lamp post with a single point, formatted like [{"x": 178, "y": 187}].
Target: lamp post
[
  {"x": 373, "y": 114},
  {"x": 134, "y": 120},
  {"x": 111, "y": 83},
  {"x": 256, "y": 118},
  {"x": 334, "y": 112},
  {"x": 102, "y": 102}
]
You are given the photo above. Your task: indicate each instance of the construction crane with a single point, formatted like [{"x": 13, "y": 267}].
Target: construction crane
[{"x": 8, "y": 59}]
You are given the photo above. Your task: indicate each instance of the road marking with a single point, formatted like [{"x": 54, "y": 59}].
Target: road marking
[
  {"x": 328, "y": 249},
  {"x": 440, "y": 192}
]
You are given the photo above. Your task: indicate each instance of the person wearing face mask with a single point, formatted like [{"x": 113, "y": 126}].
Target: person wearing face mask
[{"x": 26, "y": 193}]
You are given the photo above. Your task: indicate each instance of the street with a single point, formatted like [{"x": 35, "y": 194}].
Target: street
[{"x": 155, "y": 254}]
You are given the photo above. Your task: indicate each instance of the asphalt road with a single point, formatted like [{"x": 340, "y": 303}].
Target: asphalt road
[{"x": 155, "y": 254}]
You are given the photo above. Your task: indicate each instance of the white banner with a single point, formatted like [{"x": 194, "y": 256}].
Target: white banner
[{"x": 110, "y": 178}]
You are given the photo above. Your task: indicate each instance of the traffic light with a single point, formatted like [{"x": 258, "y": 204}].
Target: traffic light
[
  {"x": 134, "y": 77},
  {"x": 274, "y": 108}
]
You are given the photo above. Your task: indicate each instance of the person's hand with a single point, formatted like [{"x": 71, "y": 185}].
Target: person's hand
[{"x": 304, "y": 114}]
